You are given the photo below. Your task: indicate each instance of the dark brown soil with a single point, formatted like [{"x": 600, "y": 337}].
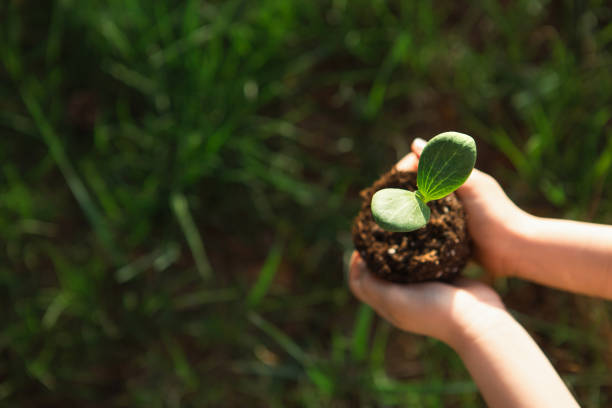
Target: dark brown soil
[{"x": 438, "y": 251}]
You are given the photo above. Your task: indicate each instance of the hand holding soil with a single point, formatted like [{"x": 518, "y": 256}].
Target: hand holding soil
[
  {"x": 507, "y": 365},
  {"x": 439, "y": 309},
  {"x": 411, "y": 227},
  {"x": 453, "y": 313}
]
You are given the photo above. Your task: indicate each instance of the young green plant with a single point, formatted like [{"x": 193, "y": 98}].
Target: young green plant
[{"x": 445, "y": 163}]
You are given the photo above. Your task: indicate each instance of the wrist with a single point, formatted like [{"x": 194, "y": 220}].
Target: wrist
[
  {"x": 519, "y": 233},
  {"x": 482, "y": 322}
]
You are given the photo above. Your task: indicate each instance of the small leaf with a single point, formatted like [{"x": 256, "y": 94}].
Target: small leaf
[
  {"x": 446, "y": 162},
  {"x": 399, "y": 210}
]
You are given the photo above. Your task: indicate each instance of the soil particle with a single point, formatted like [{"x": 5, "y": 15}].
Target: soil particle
[{"x": 438, "y": 251}]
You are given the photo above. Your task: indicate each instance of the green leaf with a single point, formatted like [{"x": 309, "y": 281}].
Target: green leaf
[
  {"x": 399, "y": 210},
  {"x": 445, "y": 163}
]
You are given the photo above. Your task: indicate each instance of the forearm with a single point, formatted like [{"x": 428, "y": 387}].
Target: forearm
[
  {"x": 511, "y": 370},
  {"x": 569, "y": 255}
]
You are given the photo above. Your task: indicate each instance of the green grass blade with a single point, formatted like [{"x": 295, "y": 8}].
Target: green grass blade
[
  {"x": 361, "y": 332},
  {"x": 204, "y": 297},
  {"x": 398, "y": 52},
  {"x": 160, "y": 259},
  {"x": 504, "y": 143},
  {"x": 55, "y": 309},
  {"x": 266, "y": 275},
  {"x": 281, "y": 338},
  {"x": 322, "y": 380},
  {"x": 379, "y": 346},
  {"x": 180, "y": 207},
  {"x": 101, "y": 190},
  {"x": 181, "y": 364},
  {"x": 70, "y": 175}
]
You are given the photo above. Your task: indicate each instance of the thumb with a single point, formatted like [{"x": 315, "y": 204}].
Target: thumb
[
  {"x": 369, "y": 289},
  {"x": 418, "y": 145},
  {"x": 477, "y": 183}
]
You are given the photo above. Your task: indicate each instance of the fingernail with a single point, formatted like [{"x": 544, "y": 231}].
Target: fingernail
[
  {"x": 418, "y": 143},
  {"x": 360, "y": 263},
  {"x": 347, "y": 269},
  {"x": 408, "y": 163},
  {"x": 357, "y": 264}
]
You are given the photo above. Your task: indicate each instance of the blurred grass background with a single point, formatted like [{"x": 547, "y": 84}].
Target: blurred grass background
[{"x": 178, "y": 180}]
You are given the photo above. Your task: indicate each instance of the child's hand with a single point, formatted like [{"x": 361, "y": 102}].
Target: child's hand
[
  {"x": 568, "y": 255},
  {"x": 494, "y": 222},
  {"x": 507, "y": 365},
  {"x": 456, "y": 314},
  {"x": 451, "y": 313}
]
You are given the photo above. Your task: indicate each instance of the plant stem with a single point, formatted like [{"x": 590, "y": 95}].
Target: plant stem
[{"x": 420, "y": 196}]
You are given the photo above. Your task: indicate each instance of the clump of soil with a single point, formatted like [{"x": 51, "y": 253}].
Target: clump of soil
[{"x": 438, "y": 251}]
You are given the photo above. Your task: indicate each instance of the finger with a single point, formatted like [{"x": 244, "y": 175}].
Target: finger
[
  {"x": 410, "y": 162},
  {"x": 417, "y": 146},
  {"x": 475, "y": 184},
  {"x": 466, "y": 283},
  {"x": 418, "y": 307},
  {"x": 379, "y": 293},
  {"x": 357, "y": 268},
  {"x": 401, "y": 303},
  {"x": 364, "y": 285},
  {"x": 369, "y": 289},
  {"x": 381, "y": 296}
]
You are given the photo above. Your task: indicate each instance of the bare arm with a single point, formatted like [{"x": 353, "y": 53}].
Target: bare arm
[
  {"x": 511, "y": 370},
  {"x": 506, "y": 364},
  {"x": 569, "y": 255}
]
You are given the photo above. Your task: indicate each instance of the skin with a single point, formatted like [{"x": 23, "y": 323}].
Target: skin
[{"x": 470, "y": 317}]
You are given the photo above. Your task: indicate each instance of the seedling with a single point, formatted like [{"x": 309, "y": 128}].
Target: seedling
[{"x": 445, "y": 163}]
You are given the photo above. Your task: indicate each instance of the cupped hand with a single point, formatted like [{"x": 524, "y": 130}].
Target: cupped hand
[
  {"x": 495, "y": 223},
  {"x": 456, "y": 312}
]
